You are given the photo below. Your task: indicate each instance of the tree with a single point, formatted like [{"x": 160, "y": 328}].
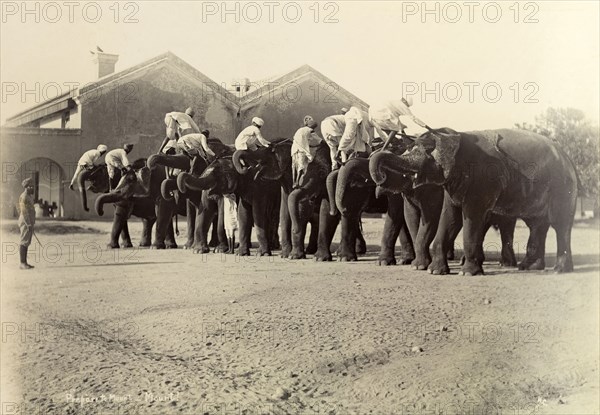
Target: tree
[{"x": 578, "y": 137}]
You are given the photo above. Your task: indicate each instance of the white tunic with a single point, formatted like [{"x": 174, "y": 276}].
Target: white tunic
[
  {"x": 250, "y": 138},
  {"x": 180, "y": 123},
  {"x": 89, "y": 158},
  {"x": 230, "y": 220}
]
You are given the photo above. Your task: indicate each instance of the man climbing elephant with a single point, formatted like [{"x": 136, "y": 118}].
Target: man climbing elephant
[
  {"x": 306, "y": 140},
  {"x": 117, "y": 160},
  {"x": 87, "y": 161}
]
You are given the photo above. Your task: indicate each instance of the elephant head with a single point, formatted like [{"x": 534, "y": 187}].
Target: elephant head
[
  {"x": 431, "y": 160},
  {"x": 98, "y": 182},
  {"x": 276, "y": 160},
  {"x": 219, "y": 178},
  {"x": 128, "y": 187}
]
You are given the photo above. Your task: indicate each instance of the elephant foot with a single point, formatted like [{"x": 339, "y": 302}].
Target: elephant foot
[
  {"x": 296, "y": 254},
  {"x": 264, "y": 253},
  {"x": 508, "y": 263},
  {"x": 243, "y": 251},
  {"x": 438, "y": 268},
  {"x": 385, "y": 261},
  {"x": 563, "y": 264},
  {"x": 200, "y": 250},
  {"x": 420, "y": 264},
  {"x": 529, "y": 265},
  {"x": 171, "y": 245},
  {"x": 347, "y": 258},
  {"x": 222, "y": 248},
  {"x": 361, "y": 248},
  {"x": 128, "y": 245},
  {"x": 311, "y": 249},
  {"x": 470, "y": 269},
  {"x": 275, "y": 245},
  {"x": 113, "y": 245},
  {"x": 406, "y": 261},
  {"x": 285, "y": 252},
  {"x": 213, "y": 243},
  {"x": 145, "y": 244},
  {"x": 159, "y": 245},
  {"x": 322, "y": 256}
]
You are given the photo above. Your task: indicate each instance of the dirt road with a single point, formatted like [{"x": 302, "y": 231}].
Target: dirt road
[{"x": 138, "y": 331}]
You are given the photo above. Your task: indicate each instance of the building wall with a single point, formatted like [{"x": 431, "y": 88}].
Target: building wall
[
  {"x": 135, "y": 112},
  {"x": 283, "y": 110},
  {"x": 27, "y": 150}
]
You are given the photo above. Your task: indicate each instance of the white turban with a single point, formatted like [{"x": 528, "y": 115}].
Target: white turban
[
  {"x": 258, "y": 121},
  {"x": 102, "y": 148}
]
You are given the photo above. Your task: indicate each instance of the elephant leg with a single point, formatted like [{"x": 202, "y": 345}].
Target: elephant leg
[
  {"x": 412, "y": 217},
  {"x": 314, "y": 234},
  {"x": 428, "y": 225},
  {"x": 507, "y": 232},
  {"x": 245, "y": 227},
  {"x": 394, "y": 221},
  {"x": 191, "y": 224},
  {"x": 327, "y": 225},
  {"x": 347, "y": 250},
  {"x": 200, "y": 245},
  {"x": 164, "y": 217},
  {"x": 474, "y": 220},
  {"x": 262, "y": 223},
  {"x": 564, "y": 258},
  {"x": 536, "y": 244},
  {"x": 147, "y": 224},
  {"x": 125, "y": 237},
  {"x": 449, "y": 226},
  {"x": 361, "y": 244},
  {"x": 275, "y": 219},
  {"x": 170, "y": 239},
  {"x": 222, "y": 242},
  {"x": 119, "y": 221},
  {"x": 285, "y": 224},
  {"x": 214, "y": 234}
]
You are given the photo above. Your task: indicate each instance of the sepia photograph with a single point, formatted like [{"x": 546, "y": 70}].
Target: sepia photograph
[{"x": 300, "y": 207}]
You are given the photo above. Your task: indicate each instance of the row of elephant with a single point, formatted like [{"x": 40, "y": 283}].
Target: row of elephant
[{"x": 431, "y": 187}]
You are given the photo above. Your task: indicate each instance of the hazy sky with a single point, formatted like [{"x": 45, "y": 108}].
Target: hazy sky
[{"x": 376, "y": 50}]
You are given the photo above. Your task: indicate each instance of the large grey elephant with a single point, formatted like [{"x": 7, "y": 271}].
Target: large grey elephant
[{"x": 512, "y": 173}]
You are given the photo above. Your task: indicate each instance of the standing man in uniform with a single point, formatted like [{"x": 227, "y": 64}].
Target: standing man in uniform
[
  {"x": 117, "y": 159},
  {"x": 87, "y": 161},
  {"x": 26, "y": 221}
]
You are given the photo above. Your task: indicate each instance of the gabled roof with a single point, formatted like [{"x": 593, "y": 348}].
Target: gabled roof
[
  {"x": 79, "y": 95},
  {"x": 72, "y": 98},
  {"x": 250, "y": 98}
]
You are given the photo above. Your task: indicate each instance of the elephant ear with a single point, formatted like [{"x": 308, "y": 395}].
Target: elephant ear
[{"x": 447, "y": 143}]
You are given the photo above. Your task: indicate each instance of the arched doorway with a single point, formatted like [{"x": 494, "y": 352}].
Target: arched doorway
[{"x": 48, "y": 177}]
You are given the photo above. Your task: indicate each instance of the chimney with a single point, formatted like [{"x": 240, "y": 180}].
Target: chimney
[{"x": 105, "y": 63}]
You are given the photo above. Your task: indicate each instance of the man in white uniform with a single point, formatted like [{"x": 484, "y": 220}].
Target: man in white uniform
[
  {"x": 306, "y": 140},
  {"x": 117, "y": 159},
  {"x": 251, "y": 139},
  {"x": 87, "y": 161}
]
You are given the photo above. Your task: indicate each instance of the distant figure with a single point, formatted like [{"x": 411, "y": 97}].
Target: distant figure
[
  {"x": 87, "y": 161},
  {"x": 26, "y": 221},
  {"x": 53, "y": 209},
  {"x": 117, "y": 159},
  {"x": 230, "y": 220}
]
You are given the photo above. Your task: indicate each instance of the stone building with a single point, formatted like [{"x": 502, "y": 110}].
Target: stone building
[{"x": 128, "y": 106}]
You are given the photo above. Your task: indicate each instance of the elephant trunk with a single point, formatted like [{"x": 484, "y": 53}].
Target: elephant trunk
[
  {"x": 187, "y": 181},
  {"x": 387, "y": 172},
  {"x": 106, "y": 198},
  {"x": 152, "y": 161},
  {"x": 296, "y": 205},
  {"x": 237, "y": 159},
  {"x": 331, "y": 184},
  {"x": 166, "y": 187},
  {"x": 81, "y": 181},
  {"x": 343, "y": 181}
]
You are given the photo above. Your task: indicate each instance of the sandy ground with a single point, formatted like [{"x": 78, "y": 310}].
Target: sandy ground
[{"x": 138, "y": 331}]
